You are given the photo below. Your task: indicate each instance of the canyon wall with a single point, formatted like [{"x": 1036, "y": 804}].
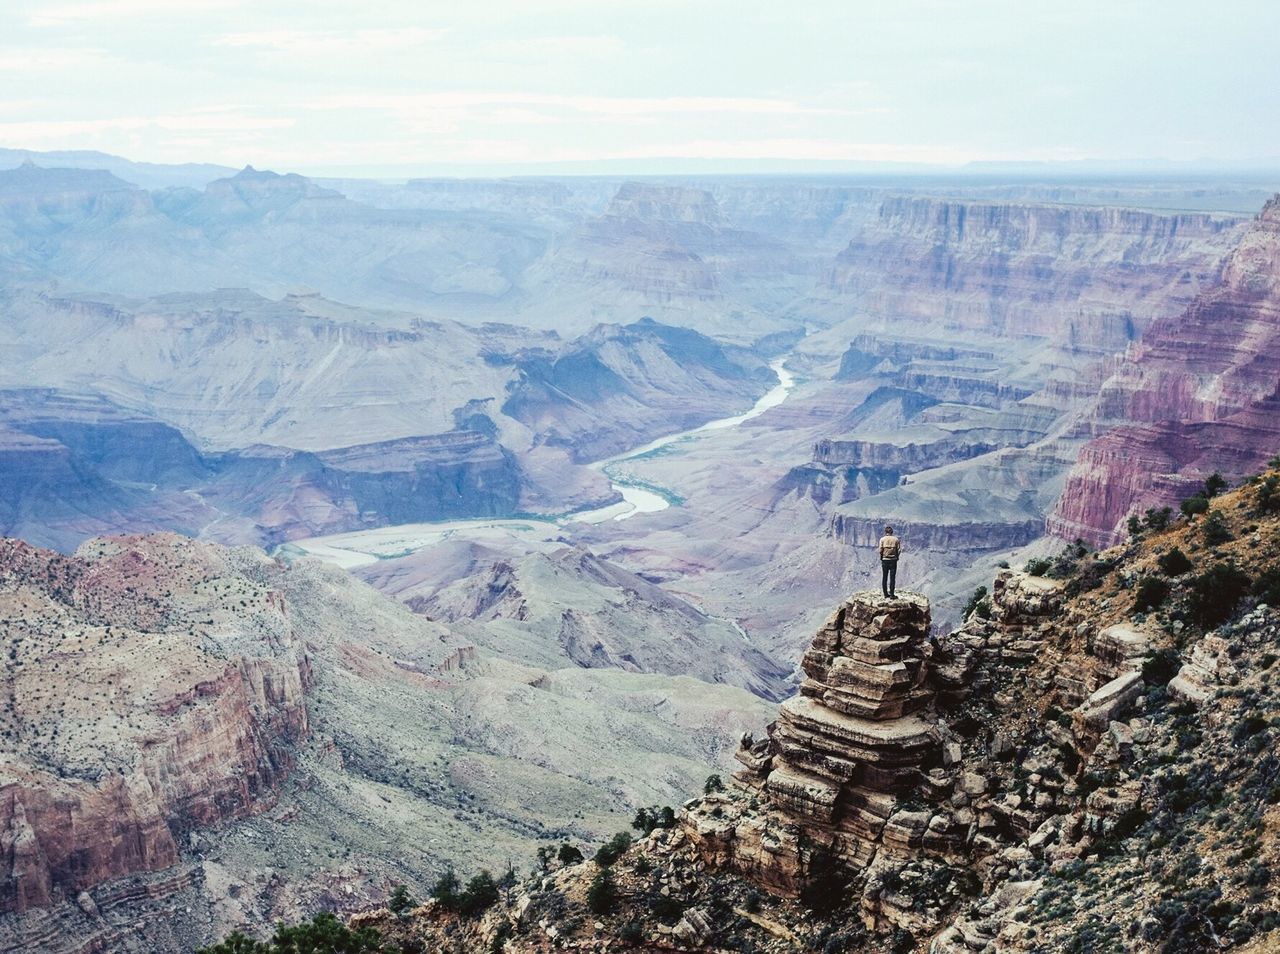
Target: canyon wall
[
  {"x": 1014, "y": 270},
  {"x": 1200, "y": 393},
  {"x": 112, "y": 762}
]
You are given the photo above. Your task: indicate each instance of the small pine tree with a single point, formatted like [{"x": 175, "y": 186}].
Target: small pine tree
[
  {"x": 979, "y": 594},
  {"x": 602, "y": 894},
  {"x": 713, "y": 784},
  {"x": 480, "y": 894},
  {"x": 568, "y": 854},
  {"x": 400, "y": 901},
  {"x": 1157, "y": 519},
  {"x": 1134, "y": 525},
  {"x": 1214, "y": 484},
  {"x": 1194, "y": 506},
  {"x": 1215, "y": 529},
  {"x": 1174, "y": 563},
  {"x": 507, "y": 883},
  {"x": 613, "y": 849},
  {"x": 446, "y": 890}
]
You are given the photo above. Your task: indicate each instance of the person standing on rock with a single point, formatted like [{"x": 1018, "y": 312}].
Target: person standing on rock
[{"x": 890, "y": 549}]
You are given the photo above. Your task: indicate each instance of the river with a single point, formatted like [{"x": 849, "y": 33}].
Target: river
[{"x": 360, "y": 547}]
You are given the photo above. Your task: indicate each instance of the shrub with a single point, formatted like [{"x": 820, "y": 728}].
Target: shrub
[
  {"x": 613, "y": 849},
  {"x": 713, "y": 784},
  {"x": 480, "y": 894},
  {"x": 1215, "y": 484},
  {"x": 322, "y": 934},
  {"x": 1267, "y": 587},
  {"x": 1215, "y": 529},
  {"x": 568, "y": 854},
  {"x": 446, "y": 890},
  {"x": 1267, "y": 498},
  {"x": 1174, "y": 563},
  {"x": 971, "y": 607},
  {"x": 1134, "y": 525},
  {"x": 1037, "y": 566},
  {"x": 1161, "y": 666},
  {"x": 400, "y": 901},
  {"x": 1157, "y": 519},
  {"x": 1214, "y": 594},
  {"x": 631, "y": 933},
  {"x": 647, "y": 819},
  {"x": 602, "y": 894},
  {"x": 666, "y": 908},
  {"x": 1193, "y": 506},
  {"x": 1152, "y": 592}
]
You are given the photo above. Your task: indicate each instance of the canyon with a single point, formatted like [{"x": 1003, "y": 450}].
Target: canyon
[
  {"x": 1064, "y": 771},
  {"x": 446, "y": 389}
]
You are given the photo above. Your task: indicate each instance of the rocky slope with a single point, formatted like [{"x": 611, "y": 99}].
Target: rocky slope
[
  {"x": 1084, "y": 765},
  {"x": 195, "y": 738},
  {"x": 1201, "y": 392},
  {"x": 555, "y": 605}
]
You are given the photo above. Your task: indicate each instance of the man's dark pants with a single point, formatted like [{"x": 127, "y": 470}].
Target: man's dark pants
[{"x": 889, "y": 580}]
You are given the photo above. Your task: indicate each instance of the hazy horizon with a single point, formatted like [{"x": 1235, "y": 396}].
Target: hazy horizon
[{"x": 625, "y": 88}]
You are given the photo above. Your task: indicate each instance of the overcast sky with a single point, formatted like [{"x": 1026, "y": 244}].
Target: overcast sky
[{"x": 472, "y": 85}]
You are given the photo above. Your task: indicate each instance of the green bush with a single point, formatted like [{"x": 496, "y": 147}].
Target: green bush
[
  {"x": 323, "y": 934},
  {"x": 1214, "y": 594},
  {"x": 400, "y": 901},
  {"x": 1161, "y": 666},
  {"x": 971, "y": 607},
  {"x": 647, "y": 819},
  {"x": 1215, "y": 484},
  {"x": 1267, "y": 587},
  {"x": 631, "y": 933},
  {"x": 613, "y": 849},
  {"x": 1215, "y": 529},
  {"x": 1157, "y": 519},
  {"x": 568, "y": 854},
  {"x": 1194, "y": 506},
  {"x": 480, "y": 894},
  {"x": 1151, "y": 594},
  {"x": 1036, "y": 567},
  {"x": 1174, "y": 563},
  {"x": 713, "y": 784},
  {"x": 602, "y": 894},
  {"x": 1267, "y": 497},
  {"x": 446, "y": 890}
]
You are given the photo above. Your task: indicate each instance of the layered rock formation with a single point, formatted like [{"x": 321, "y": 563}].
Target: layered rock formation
[
  {"x": 206, "y": 737},
  {"x": 107, "y": 772},
  {"x": 849, "y": 767},
  {"x": 1025, "y": 269},
  {"x": 1201, "y": 393}
]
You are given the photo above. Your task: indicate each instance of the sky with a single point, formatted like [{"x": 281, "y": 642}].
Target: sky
[{"x": 472, "y": 86}]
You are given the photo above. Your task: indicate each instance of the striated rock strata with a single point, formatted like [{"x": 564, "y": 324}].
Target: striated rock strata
[{"x": 1201, "y": 393}]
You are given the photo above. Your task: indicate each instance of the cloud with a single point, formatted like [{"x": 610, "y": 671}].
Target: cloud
[
  {"x": 46, "y": 132},
  {"x": 333, "y": 42},
  {"x": 62, "y": 14},
  {"x": 51, "y": 58},
  {"x": 600, "y": 106}
]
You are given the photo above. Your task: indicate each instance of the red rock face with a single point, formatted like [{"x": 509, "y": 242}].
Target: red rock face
[
  {"x": 131, "y": 715},
  {"x": 1200, "y": 393},
  {"x": 1014, "y": 270}
]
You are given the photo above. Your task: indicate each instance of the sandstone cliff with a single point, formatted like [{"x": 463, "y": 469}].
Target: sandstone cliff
[
  {"x": 109, "y": 763},
  {"x": 1200, "y": 393}
]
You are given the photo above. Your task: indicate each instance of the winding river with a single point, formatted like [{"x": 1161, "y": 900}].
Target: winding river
[{"x": 361, "y": 547}]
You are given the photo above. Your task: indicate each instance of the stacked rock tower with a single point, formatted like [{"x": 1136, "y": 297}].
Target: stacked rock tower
[{"x": 850, "y": 756}]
